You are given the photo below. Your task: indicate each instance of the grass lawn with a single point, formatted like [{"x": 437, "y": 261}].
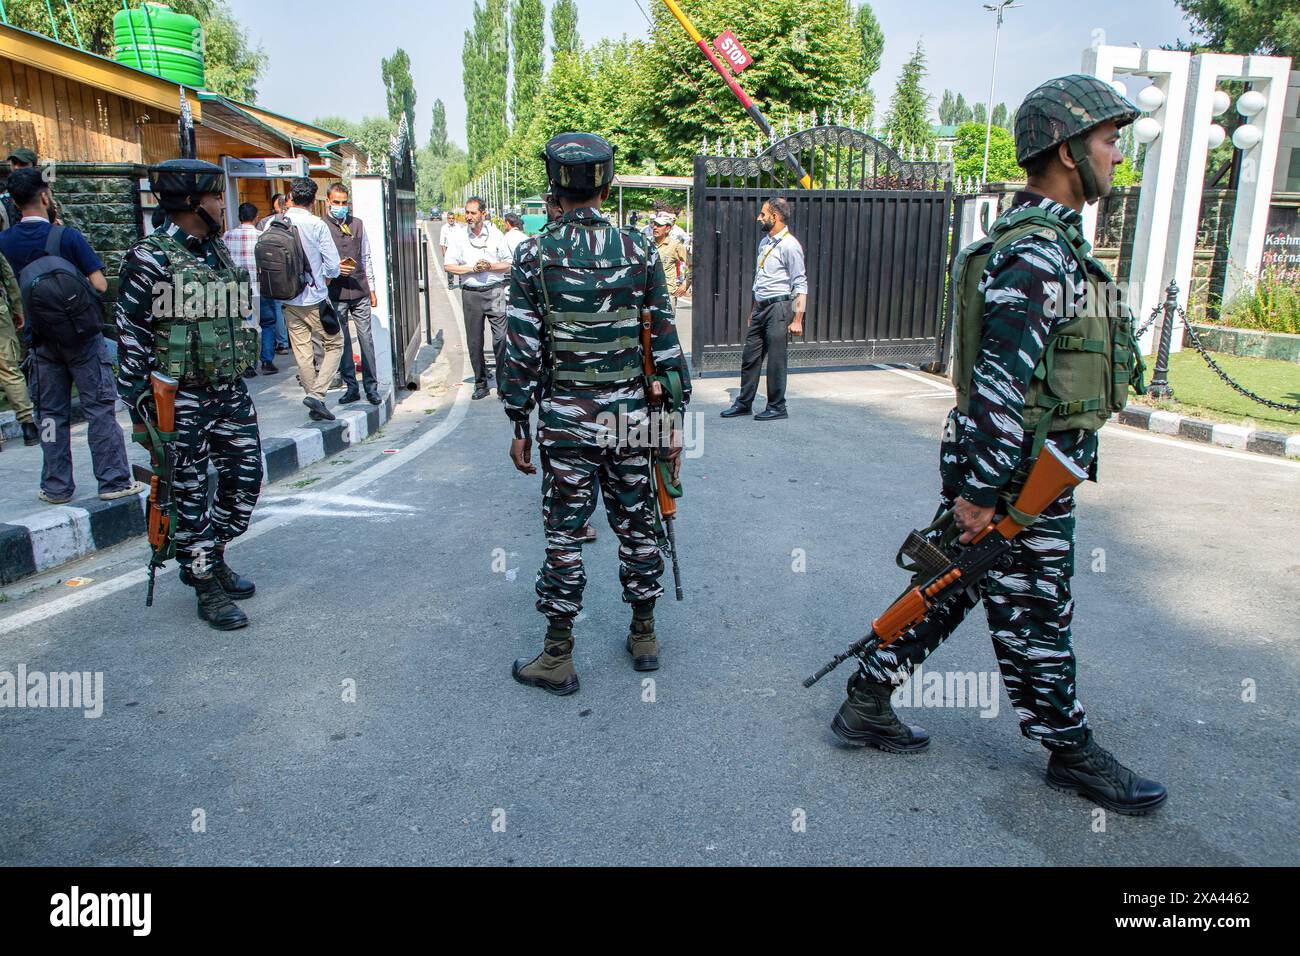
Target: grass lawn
[{"x": 1199, "y": 393}]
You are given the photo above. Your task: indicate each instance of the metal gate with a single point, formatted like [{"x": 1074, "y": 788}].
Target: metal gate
[
  {"x": 403, "y": 259},
  {"x": 875, "y": 229}
]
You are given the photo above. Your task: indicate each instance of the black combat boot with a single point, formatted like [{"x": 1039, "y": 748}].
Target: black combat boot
[
  {"x": 867, "y": 718},
  {"x": 215, "y": 605},
  {"x": 238, "y": 588},
  {"x": 30, "y": 435},
  {"x": 641, "y": 642},
  {"x": 1092, "y": 771},
  {"x": 552, "y": 670}
]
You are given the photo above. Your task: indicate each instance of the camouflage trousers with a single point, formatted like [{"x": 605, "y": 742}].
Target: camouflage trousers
[
  {"x": 570, "y": 477},
  {"x": 217, "y": 425},
  {"x": 1029, "y": 609}
]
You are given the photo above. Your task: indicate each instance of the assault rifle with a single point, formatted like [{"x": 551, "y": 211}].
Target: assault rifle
[
  {"x": 944, "y": 571},
  {"x": 658, "y": 389},
  {"x": 157, "y": 431}
]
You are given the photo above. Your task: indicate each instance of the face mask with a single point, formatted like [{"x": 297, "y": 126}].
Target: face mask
[{"x": 339, "y": 212}]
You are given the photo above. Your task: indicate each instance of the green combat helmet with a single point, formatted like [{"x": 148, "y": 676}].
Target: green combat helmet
[
  {"x": 578, "y": 164},
  {"x": 179, "y": 184},
  {"x": 1065, "y": 110}
]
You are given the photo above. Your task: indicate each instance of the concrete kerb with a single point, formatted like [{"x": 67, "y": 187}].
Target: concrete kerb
[
  {"x": 59, "y": 534},
  {"x": 1240, "y": 437}
]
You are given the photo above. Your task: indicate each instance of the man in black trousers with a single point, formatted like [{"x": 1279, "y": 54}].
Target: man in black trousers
[{"x": 780, "y": 297}]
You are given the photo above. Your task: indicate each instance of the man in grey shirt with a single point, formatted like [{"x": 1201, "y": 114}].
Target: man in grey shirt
[{"x": 780, "y": 298}]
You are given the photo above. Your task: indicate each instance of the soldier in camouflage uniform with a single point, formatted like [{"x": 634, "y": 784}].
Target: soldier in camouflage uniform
[
  {"x": 1037, "y": 280},
  {"x": 577, "y": 292},
  {"x": 206, "y": 348}
]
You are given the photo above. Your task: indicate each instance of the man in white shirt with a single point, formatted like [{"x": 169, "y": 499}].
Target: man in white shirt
[
  {"x": 310, "y": 311},
  {"x": 479, "y": 255},
  {"x": 515, "y": 234}
]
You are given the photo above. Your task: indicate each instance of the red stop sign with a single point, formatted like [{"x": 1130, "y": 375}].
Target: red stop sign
[{"x": 733, "y": 54}]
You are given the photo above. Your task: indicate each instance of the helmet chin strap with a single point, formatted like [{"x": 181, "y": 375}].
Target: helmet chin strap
[
  {"x": 1083, "y": 162},
  {"x": 214, "y": 227}
]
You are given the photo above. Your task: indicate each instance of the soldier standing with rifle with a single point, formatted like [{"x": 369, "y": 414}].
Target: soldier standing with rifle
[
  {"x": 1040, "y": 355},
  {"x": 579, "y": 294},
  {"x": 202, "y": 354}
]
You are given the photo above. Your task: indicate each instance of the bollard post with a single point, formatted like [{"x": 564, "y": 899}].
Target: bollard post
[{"x": 1159, "y": 387}]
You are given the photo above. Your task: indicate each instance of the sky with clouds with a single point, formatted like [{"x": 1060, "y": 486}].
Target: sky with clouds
[{"x": 336, "y": 69}]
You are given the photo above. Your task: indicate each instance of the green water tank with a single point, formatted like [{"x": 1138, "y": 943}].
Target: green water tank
[{"x": 157, "y": 39}]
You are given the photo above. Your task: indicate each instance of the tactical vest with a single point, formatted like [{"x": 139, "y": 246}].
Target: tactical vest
[
  {"x": 213, "y": 347},
  {"x": 589, "y": 348},
  {"x": 1088, "y": 362}
]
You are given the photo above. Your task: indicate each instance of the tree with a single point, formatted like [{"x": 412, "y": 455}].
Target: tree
[
  {"x": 528, "y": 36},
  {"x": 400, "y": 89},
  {"x": 564, "y": 28},
  {"x": 431, "y": 175},
  {"x": 372, "y": 136},
  {"x": 968, "y": 154},
  {"x": 946, "y": 105},
  {"x": 981, "y": 114},
  {"x": 908, "y": 121},
  {"x": 232, "y": 66},
  {"x": 438, "y": 144},
  {"x": 872, "y": 39},
  {"x": 1000, "y": 115},
  {"x": 1269, "y": 27},
  {"x": 808, "y": 58},
  {"x": 486, "y": 55},
  {"x": 961, "y": 111}
]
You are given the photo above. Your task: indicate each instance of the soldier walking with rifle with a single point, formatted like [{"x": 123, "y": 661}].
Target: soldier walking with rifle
[
  {"x": 583, "y": 293},
  {"x": 182, "y": 377},
  {"x": 1042, "y": 358}
]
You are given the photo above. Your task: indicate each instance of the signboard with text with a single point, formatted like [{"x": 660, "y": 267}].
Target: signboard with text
[
  {"x": 1282, "y": 243},
  {"x": 733, "y": 54}
]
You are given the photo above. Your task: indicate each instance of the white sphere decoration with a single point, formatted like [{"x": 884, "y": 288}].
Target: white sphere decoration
[
  {"x": 1119, "y": 87},
  {"x": 1146, "y": 130},
  {"x": 1251, "y": 103},
  {"x": 1217, "y": 135},
  {"x": 1221, "y": 102},
  {"x": 1151, "y": 99},
  {"x": 1247, "y": 137}
]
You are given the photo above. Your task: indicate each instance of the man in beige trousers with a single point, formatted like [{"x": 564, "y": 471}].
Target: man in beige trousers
[{"x": 310, "y": 313}]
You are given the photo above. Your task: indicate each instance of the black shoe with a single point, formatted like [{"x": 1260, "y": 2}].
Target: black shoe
[
  {"x": 30, "y": 435},
  {"x": 480, "y": 392},
  {"x": 282, "y": 350},
  {"x": 319, "y": 413},
  {"x": 771, "y": 414},
  {"x": 236, "y": 587},
  {"x": 867, "y": 718},
  {"x": 736, "y": 410},
  {"x": 1093, "y": 772},
  {"x": 215, "y": 605},
  {"x": 250, "y": 372},
  {"x": 350, "y": 396},
  {"x": 373, "y": 398},
  {"x": 268, "y": 368}
]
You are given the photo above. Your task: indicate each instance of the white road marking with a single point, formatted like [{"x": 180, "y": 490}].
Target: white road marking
[{"x": 380, "y": 469}]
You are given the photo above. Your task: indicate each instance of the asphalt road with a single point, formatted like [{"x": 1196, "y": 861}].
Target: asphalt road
[{"x": 409, "y": 577}]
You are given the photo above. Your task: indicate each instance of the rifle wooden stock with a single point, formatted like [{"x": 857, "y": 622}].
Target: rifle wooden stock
[
  {"x": 164, "y": 400},
  {"x": 158, "y": 518}
]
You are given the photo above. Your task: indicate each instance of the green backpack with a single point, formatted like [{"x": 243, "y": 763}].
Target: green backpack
[
  {"x": 1089, "y": 361},
  {"x": 215, "y": 346}
]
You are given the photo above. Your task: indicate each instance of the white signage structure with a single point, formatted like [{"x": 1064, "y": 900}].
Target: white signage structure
[{"x": 368, "y": 206}]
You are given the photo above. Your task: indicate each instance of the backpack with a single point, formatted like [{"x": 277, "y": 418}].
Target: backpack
[
  {"x": 281, "y": 263},
  {"x": 9, "y": 212},
  {"x": 1088, "y": 362},
  {"x": 61, "y": 305}
]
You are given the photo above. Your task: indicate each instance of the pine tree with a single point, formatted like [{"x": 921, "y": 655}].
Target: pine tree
[
  {"x": 961, "y": 111},
  {"x": 438, "y": 130},
  {"x": 908, "y": 122},
  {"x": 528, "y": 30},
  {"x": 564, "y": 28}
]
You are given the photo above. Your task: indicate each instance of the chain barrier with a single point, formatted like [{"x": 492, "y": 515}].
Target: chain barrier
[
  {"x": 1214, "y": 366},
  {"x": 1155, "y": 314}
]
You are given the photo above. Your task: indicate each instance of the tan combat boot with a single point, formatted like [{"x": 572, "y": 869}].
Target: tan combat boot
[
  {"x": 641, "y": 642},
  {"x": 552, "y": 670}
]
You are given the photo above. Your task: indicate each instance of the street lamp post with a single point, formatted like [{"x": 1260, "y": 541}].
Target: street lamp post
[{"x": 1000, "y": 9}]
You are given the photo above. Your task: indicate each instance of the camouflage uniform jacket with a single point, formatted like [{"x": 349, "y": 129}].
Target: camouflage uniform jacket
[
  {"x": 143, "y": 268},
  {"x": 1025, "y": 286},
  {"x": 568, "y": 416}
]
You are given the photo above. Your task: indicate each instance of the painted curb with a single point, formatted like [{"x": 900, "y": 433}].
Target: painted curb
[
  {"x": 58, "y": 534},
  {"x": 1240, "y": 437}
]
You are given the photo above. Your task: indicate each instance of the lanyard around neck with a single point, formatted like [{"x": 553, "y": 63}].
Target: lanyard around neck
[{"x": 768, "y": 251}]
